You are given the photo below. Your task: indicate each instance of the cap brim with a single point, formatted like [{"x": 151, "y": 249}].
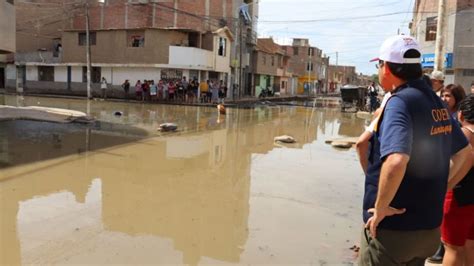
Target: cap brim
[{"x": 375, "y": 59}]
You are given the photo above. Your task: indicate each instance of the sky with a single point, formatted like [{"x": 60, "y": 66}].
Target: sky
[{"x": 354, "y": 29}]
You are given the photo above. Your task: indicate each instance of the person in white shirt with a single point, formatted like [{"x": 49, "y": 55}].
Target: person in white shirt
[{"x": 103, "y": 88}]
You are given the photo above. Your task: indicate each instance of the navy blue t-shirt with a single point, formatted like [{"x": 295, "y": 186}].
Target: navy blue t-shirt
[{"x": 414, "y": 122}]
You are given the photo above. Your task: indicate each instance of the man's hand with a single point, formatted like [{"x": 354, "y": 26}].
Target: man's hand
[{"x": 378, "y": 216}]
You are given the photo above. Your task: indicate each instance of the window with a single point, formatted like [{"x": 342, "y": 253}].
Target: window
[
  {"x": 264, "y": 59},
  {"x": 431, "y": 28},
  {"x": 273, "y": 60},
  {"x": 309, "y": 66},
  {"x": 468, "y": 72},
  {"x": 283, "y": 84},
  {"x": 82, "y": 38},
  {"x": 45, "y": 73},
  {"x": 96, "y": 74},
  {"x": 310, "y": 51},
  {"x": 171, "y": 75},
  {"x": 222, "y": 46},
  {"x": 193, "y": 74},
  {"x": 295, "y": 50},
  {"x": 136, "y": 39}
]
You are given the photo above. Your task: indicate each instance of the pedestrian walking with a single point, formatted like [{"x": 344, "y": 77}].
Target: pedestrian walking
[
  {"x": 103, "y": 88},
  {"x": 409, "y": 162},
  {"x": 126, "y": 88}
]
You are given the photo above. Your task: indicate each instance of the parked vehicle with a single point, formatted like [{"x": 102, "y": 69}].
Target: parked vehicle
[
  {"x": 266, "y": 93},
  {"x": 353, "y": 98}
]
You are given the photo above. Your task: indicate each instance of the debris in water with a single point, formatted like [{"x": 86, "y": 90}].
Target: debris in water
[
  {"x": 284, "y": 139},
  {"x": 355, "y": 248},
  {"x": 352, "y": 141},
  {"x": 221, "y": 109},
  {"x": 341, "y": 144},
  {"x": 167, "y": 127},
  {"x": 118, "y": 113}
]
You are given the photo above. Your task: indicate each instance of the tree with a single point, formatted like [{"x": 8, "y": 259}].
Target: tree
[{"x": 375, "y": 78}]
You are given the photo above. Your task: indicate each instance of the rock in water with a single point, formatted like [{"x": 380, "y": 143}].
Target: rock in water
[
  {"x": 166, "y": 127},
  {"x": 285, "y": 139},
  {"x": 118, "y": 113},
  {"x": 341, "y": 144}
]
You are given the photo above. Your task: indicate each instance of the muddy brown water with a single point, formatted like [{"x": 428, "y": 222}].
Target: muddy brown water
[{"x": 217, "y": 192}]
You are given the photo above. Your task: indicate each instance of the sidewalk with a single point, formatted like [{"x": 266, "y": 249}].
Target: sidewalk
[{"x": 240, "y": 102}]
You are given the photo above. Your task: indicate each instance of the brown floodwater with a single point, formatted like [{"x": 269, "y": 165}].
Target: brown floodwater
[{"x": 217, "y": 192}]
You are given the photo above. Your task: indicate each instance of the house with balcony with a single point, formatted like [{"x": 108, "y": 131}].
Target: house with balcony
[
  {"x": 130, "y": 40},
  {"x": 271, "y": 68},
  {"x": 167, "y": 54}
]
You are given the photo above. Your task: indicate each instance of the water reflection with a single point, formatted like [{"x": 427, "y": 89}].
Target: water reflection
[{"x": 179, "y": 198}]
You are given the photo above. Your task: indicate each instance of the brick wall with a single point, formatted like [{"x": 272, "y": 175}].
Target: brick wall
[{"x": 190, "y": 15}]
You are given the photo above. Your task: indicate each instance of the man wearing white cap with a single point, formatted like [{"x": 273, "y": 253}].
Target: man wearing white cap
[
  {"x": 409, "y": 162},
  {"x": 437, "y": 81}
]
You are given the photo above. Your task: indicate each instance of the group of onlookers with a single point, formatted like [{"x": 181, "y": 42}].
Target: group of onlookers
[{"x": 182, "y": 91}]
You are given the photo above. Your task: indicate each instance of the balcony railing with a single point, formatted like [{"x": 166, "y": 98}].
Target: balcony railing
[
  {"x": 48, "y": 57},
  {"x": 191, "y": 57}
]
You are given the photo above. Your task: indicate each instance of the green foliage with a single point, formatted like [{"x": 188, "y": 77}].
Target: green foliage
[{"x": 375, "y": 78}]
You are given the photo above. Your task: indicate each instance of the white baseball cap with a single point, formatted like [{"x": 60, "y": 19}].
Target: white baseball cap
[
  {"x": 394, "y": 48},
  {"x": 437, "y": 75}
]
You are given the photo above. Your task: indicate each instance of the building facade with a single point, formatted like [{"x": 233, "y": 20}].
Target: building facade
[
  {"x": 308, "y": 64},
  {"x": 160, "y": 54},
  {"x": 459, "y": 38},
  {"x": 271, "y": 68},
  {"x": 339, "y": 76},
  {"x": 7, "y": 42},
  {"x": 189, "y": 38}
]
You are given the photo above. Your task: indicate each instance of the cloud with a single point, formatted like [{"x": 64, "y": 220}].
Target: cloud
[{"x": 354, "y": 29}]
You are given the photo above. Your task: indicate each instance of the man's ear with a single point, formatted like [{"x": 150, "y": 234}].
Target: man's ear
[
  {"x": 460, "y": 116},
  {"x": 386, "y": 72}
]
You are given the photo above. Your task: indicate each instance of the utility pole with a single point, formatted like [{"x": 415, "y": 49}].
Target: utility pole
[
  {"x": 308, "y": 66},
  {"x": 240, "y": 55},
  {"x": 337, "y": 69},
  {"x": 440, "y": 34},
  {"x": 88, "y": 53}
]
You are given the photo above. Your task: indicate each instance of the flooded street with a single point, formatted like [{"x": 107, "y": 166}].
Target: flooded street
[{"x": 217, "y": 192}]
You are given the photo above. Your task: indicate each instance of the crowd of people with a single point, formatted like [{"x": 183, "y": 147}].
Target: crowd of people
[
  {"x": 178, "y": 91},
  {"x": 418, "y": 160}
]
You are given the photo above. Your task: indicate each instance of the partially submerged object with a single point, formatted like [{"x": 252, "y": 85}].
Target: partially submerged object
[
  {"x": 221, "y": 109},
  {"x": 167, "y": 127},
  {"x": 364, "y": 115},
  {"x": 118, "y": 113},
  {"x": 341, "y": 144},
  {"x": 344, "y": 143},
  {"x": 47, "y": 114},
  {"x": 284, "y": 139}
]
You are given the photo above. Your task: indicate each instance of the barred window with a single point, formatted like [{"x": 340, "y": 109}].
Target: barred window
[{"x": 431, "y": 28}]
